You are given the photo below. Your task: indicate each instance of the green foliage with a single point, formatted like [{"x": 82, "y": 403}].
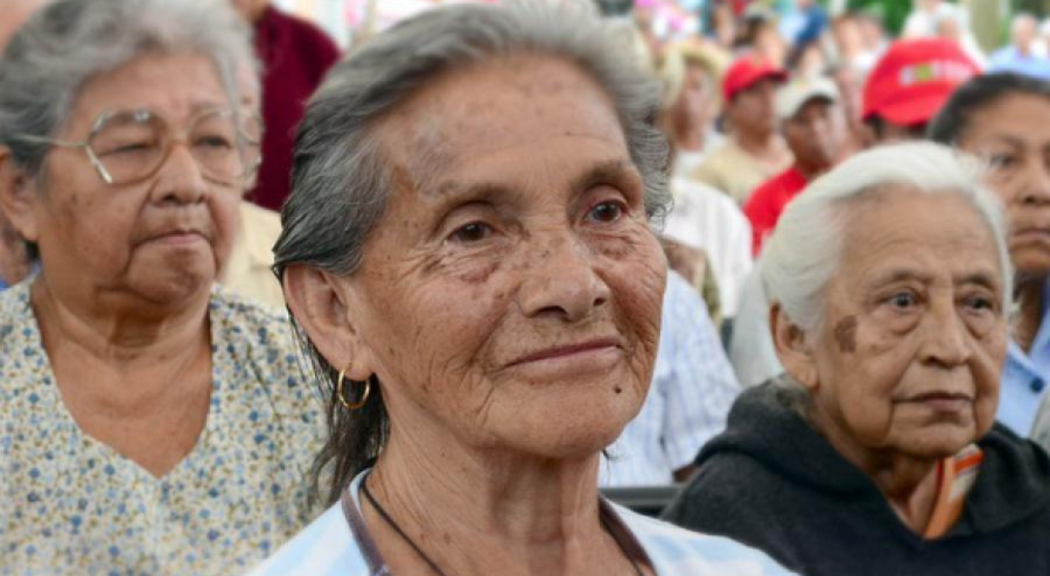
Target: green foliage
[{"x": 893, "y": 12}]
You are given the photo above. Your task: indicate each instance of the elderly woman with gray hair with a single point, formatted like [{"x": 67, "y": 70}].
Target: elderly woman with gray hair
[
  {"x": 149, "y": 422},
  {"x": 877, "y": 453},
  {"x": 467, "y": 250}
]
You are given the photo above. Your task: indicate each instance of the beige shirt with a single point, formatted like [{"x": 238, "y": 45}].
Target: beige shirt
[
  {"x": 247, "y": 272},
  {"x": 734, "y": 171}
]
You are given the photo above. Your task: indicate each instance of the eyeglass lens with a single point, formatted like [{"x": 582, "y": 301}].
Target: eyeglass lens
[{"x": 132, "y": 145}]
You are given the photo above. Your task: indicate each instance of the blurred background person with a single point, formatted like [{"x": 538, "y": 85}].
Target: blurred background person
[
  {"x": 762, "y": 37},
  {"x": 812, "y": 123},
  {"x": 295, "y": 55},
  {"x": 849, "y": 43},
  {"x": 1005, "y": 120},
  {"x": 953, "y": 23},
  {"x": 814, "y": 22},
  {"x": 691, "y": 74},
  {"x": 753, "y": 150},
  {"x": 922, "y": 21},
  {"x": 152, "y": 423},
  {"x": 1025, "y": 54},
  {"x": 878, "y": 452},
  {"x": 908, "y": 86}
]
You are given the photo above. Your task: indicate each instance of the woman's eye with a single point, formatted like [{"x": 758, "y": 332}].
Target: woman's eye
[
  {"x": 606, "y": 212},
  {"x": 1001, "y": 161},
  {"x": 903, "y": 300},
  {"x": 473, "y": 232},
  {"x": 213, "y": 142},
  {"x": 980, "y": 303},
  {"x": 128, "y": 148}
]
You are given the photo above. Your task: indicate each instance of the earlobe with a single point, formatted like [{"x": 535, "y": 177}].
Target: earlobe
[
  {"x": 319, "y": 302},
  {"x": 17, "y": 197},
  {"x": 794, "y": 348}
]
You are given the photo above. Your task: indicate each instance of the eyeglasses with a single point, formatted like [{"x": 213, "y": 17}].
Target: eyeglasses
[{"x": 129, "y": 146}]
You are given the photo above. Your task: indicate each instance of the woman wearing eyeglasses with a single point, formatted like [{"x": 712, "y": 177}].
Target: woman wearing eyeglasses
[{"x": 150, "y": 423}]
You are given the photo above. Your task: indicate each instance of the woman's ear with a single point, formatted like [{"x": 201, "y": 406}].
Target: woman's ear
[
  {"x": 18, "y": 199},
  {"x": 794, "y": 349},
  {"x": 318, "y": 300}
]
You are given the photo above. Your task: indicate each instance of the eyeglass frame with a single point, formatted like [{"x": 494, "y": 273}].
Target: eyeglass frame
[{"x": 180, "y": 136}]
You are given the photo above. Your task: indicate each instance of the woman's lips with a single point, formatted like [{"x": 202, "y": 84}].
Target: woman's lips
[
  {"x": 1030, "y": 234},
  {"x": 592, "y": 353},
  {"x": 943, "y": 401},
  {"x": 568, "y": 350},
  {"x": 180, "y": 238}
]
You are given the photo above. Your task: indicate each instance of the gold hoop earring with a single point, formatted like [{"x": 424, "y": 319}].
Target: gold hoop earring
[{"x": 342, "y": 399}]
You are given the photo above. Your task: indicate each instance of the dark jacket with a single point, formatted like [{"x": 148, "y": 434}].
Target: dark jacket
[{"x": 771, "y": 481}]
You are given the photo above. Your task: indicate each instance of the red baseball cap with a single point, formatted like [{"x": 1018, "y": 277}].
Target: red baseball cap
[
  {"x": 746, "y": 71},
  {"x": 914, "y": 78}
]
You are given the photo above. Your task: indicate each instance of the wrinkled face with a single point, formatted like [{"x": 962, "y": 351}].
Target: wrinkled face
[
  {"x": 1011, "y": 135},
  {"x": 909, "y": 354},
  {"x": 752, "y": 109},
  {"x": 161, "y": 240},
  {"x": 816, "y": 134},
  {"x": 511, "y": 294}
]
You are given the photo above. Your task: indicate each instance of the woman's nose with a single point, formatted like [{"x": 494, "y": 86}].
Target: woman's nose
[
  {"x": 946, "y": 336},
  {"x": 561, "y": 280},
  {"x": 180, "y": 178}
]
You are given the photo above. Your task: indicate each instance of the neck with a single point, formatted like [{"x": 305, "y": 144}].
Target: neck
[
  {"x": 1030, "y": 310},
  {"x": 120, "y": 334},
  {"x": 764, "y": 145},
  {"x": 810, "y": 171},
  {"x": 484, "y": 511},
  {"x": 14, "y": 260},
  {"x": 909, "y": 484},
  {"x": 689, "y": 137}
]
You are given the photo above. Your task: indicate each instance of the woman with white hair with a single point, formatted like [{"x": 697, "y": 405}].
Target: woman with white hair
[
  {"x": 877, "y": 452},
  {"x": 150, "y": 422}
]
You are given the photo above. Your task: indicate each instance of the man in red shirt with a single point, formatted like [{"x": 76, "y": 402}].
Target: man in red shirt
[
  {"x": 814, "y": 127},
  {"x": 295, "y": 56}
]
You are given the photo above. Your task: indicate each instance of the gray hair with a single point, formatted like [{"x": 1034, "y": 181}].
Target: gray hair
[
  {"x": 341, "y": 183},
  {"x": 806, "y": 247},
  {"x": 339, "y": 180},
  {"x": 68, "y": 42}
]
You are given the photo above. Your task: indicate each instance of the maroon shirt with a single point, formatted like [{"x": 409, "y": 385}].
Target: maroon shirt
[{"x": 295, "y": 55}]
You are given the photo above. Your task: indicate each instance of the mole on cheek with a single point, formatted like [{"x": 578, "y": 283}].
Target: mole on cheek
[
  {"x": 617, "y": 389},
  {"x": 846, "y": 334}
]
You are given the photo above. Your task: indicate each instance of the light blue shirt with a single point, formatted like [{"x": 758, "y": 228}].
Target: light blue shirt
[
  {"x": 1009, "y": 59},
  {"x": 327, "y": 547},
  {"x": 692, "y": 391},
  {"x": 1025, "y": 378}
]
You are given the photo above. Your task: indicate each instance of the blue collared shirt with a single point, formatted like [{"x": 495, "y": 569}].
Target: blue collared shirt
[
  {"x": 692, "y": 390},
  {"x": 1025, "y": 378}
]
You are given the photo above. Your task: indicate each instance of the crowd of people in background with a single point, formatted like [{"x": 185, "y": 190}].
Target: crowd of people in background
[{"x": 415, "y": 307}]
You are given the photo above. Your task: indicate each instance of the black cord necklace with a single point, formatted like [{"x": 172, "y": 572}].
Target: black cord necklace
[{"x": 433, "y": 565}]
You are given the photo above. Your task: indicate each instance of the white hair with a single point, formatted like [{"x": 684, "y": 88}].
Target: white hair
[{"x": 806, "y": 247}]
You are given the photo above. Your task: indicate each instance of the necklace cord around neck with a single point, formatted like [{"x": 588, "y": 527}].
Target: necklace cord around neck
[{"x": 433, "y": 565}]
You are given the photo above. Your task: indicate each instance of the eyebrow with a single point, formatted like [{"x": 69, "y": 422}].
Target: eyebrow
[
  {"x": 984, "y": 278},
  {"x": 981, "y": 278},
  {"x": 617, "y": 170}
]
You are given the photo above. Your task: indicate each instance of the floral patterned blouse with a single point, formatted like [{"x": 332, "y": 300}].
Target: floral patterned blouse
[{"x": 70, "y": 504}]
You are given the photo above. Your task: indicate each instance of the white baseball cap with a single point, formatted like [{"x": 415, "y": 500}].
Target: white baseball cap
[{"x": 796, "y": 93}]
